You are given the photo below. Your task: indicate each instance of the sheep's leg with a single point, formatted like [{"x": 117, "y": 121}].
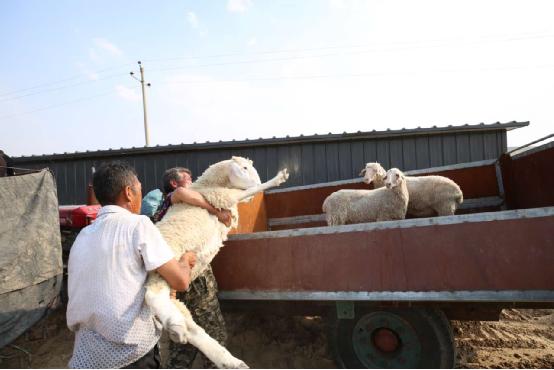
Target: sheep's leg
[
  {"x": 211, "y": 348},
  {"x": 157, "y": 297},
  {"x": 446, "y": 209},
  {"x": 281, "y": 177},
  {"x": 176, "y": 318},
  {"x": 335, "y": 220}
]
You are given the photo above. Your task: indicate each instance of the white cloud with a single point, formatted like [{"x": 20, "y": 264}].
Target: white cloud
[
  {"x": 252, "y": 42},
  {"x": 192, "y": 20},
  {"x": 238, "y": 6},
  {"x": 337, "y": 4},
  {"x": 93, "y": 55},
  {"x": 127, "y": 94},
  {"x": 107, "y": 46}
]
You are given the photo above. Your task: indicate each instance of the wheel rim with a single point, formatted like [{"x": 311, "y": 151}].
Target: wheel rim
[{"x": 385, "y": 340}]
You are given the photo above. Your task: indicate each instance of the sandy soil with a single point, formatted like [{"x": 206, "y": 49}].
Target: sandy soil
[{"x": 521, "y": 339}]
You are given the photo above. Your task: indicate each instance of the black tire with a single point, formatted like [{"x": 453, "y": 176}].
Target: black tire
[{"x": 422, "y": 338}]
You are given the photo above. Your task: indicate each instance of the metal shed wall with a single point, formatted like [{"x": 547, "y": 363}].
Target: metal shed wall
[{"x": 310, "y": 159}]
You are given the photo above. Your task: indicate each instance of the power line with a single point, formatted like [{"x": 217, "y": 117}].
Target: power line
[
  {"x": 357, "y": 52},
  {"x": 111, "y": 91},
  {"x": 351, "y": 75},
  {"x": 60, "y": 87},
  {"x": 305, "y": 77},
  {"x": 62, "y": 80},
  {"x": 517, "y": 37}
]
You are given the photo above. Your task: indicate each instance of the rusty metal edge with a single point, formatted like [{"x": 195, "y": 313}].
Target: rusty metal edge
[
  {"x": 532, "y": 150},
  {"x": 418, "y": 222},
  {"x": 411, "y": 296}
]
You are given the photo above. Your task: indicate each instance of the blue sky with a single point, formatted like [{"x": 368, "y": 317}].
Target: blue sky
[{"x": 223, "y": 70}]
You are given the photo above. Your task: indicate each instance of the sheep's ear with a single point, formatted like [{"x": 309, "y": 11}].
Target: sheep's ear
[
  {"x": 362, "y": 172},
  {"x": 235, "y": 158}
]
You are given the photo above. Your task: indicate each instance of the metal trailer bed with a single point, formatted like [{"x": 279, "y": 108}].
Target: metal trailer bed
[{"x": 391, "y": 287}]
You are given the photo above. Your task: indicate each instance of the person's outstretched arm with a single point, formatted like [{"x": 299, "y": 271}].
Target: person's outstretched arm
[{"x": 194, "y": 198}]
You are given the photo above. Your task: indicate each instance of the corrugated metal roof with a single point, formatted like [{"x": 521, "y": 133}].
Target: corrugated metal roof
[{"x": 345, "y": 136}]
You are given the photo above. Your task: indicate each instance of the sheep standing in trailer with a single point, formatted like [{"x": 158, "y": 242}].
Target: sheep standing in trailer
[
  {"x": 429, "y": 195},
  {"x": 188, "y": 228},
  {"x": 350, "y": 206}
]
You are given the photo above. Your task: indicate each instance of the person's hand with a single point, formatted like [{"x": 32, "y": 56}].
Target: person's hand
[
  {"x": 224, "y": 216},
  {"x": 188, "y": 259},
  {"x": 173, "y": 294}
]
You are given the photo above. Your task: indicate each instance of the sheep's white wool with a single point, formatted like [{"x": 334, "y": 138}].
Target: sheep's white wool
[
  {"x": 356, "y": 206},
  {"x": 187, "y": 228},
  {"x": 429, "y": 195}
]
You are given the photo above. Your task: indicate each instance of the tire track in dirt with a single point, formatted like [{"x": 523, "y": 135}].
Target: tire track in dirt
[{"x": 521, "y": 339}]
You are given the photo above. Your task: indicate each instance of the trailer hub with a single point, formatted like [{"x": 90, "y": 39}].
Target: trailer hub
[{"x": 385, "y": 340}]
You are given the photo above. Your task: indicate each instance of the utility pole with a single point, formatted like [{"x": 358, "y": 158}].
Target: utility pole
[{"x": 146, "y": 133}]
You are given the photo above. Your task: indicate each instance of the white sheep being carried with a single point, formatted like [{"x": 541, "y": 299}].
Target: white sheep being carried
[
  {"x": 188, "y": 228},
  {"x": 350, "y": 206},
  {"x": 429, "y": 195}
]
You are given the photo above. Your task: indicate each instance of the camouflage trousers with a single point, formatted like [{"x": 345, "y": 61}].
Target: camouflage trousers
[{"x": 201, "y": 300}]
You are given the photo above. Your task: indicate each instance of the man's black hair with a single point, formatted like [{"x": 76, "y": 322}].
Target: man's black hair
[
  {"x": 110, "y": 179},
  {"x": 175, "y": 173}
]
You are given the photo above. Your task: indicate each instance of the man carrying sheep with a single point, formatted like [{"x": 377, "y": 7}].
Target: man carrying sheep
[
  {"x": 107, "y": 270},
  {"x": 201, "y": 298}
]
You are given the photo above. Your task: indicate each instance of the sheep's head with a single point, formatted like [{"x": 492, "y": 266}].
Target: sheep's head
[
  {"x": 242, "y": 174},
  {"x": 372, "y": 171},
  {"x": 393, "y": 178}
]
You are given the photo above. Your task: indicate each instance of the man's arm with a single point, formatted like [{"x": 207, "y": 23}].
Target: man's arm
[
  {"x": 194, "y": 198},
  {"x": 177, "y": 273}
]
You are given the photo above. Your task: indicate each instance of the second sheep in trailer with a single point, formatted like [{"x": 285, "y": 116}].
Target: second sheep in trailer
[
  {"x": 429, "y": 195},
  {"x": 350, "y": 206}
]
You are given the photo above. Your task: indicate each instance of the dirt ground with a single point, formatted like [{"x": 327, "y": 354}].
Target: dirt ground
[{"x": 521, "y": 339}]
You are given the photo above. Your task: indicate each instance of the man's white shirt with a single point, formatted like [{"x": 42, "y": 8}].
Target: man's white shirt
[{"x": 108, "y": 266}]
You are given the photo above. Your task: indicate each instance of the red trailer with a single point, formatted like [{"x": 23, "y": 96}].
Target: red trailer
[{"x": 392, "y": 287}]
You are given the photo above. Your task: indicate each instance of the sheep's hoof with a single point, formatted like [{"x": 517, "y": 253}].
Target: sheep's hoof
[
  {"x": 282, "y": 176},
  {"x": 178, "y": 333},
  {"x": 235, "y": 364},
  {"x": 242, "y": 365}
]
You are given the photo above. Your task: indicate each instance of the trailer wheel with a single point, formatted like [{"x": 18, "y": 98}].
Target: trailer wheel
[{"x": 393, "y": 338}]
